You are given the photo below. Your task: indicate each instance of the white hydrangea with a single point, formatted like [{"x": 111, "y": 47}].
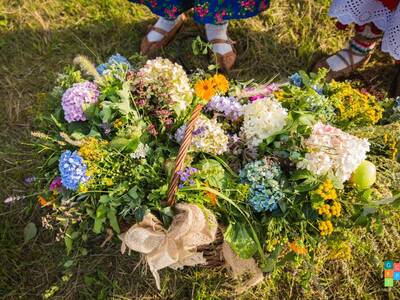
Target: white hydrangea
[
  {"x": 331, "y": 149},
  {"x": 167, "y": 81},
  {"x": 262, "y": 119},
  {"x": 208, "y": 136}
]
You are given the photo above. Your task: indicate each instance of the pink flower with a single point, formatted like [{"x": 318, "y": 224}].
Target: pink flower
[{"x": 55, "y": 184}]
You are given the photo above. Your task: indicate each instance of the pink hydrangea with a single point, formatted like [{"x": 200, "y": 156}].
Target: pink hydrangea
[{"x": 74, "y": 99}]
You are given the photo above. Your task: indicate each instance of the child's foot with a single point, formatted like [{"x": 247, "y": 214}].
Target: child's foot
[
  {"x": 222, "y": 45},
  {"x": 161, "y": 34}
]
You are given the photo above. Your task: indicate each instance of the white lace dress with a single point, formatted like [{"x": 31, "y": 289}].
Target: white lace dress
[{"x": 365, "y": 11}]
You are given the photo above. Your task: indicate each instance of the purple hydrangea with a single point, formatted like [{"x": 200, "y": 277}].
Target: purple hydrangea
[
  {"x": 72, "y": 169},
  {"x": 74, "y": 99},
  {"x": 228, "y": 106}
]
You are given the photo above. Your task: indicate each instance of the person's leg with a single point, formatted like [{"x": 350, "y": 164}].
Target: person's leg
[
  {"x": 163, "y": 24},
  {"x": 218, "y": 32},
  {"x": 358, "y": 52},
  {"x": 360, "y": 45},
  {"x": 170, "y": 20}
]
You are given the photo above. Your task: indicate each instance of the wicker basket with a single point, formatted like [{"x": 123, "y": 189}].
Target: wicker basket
[{"x": 211, "y": 252}]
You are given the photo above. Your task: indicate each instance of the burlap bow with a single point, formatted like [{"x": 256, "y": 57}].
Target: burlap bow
[{"x": 177, "y": 246}]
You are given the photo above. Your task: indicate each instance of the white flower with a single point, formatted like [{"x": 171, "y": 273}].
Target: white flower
[
  {"x": 141, "y": 151},
  {"x": 12, "y": 199},
  {"x": 208, "y": 136},
  {"x": 168, "y": 82},
  {"x": 262, "y": 119},
  {"x": 331, "y": 149}
]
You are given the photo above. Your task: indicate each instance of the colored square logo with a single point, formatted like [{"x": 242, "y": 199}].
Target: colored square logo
[
  {"x": 396, "y": 276},
  {"x": 388, "y": 264},
  {"x": 396, "y": 267},
  {"x": 388, "y": 282},
  {"x": 388, "y": 274}
]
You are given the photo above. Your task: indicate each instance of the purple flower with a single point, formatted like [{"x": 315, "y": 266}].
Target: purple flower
[
  {"x": 29, "y": 180},
  {"x": 55, "y": 184},
  {"x": 262, "y": 91},
  {"x": 106, "y": 128},
  {"x": 186, "y": 174},
  {"x": 229, "y": 106},
  {"x": 74, "y": 99}
]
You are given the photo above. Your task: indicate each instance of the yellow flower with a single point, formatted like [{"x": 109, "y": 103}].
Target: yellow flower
[
  {"x": 108, "y": 181},
  {"x": 221, "y": 84},
  {"x": 83, "y": 188},
  {"x": 326, "y": 190},
  {"x": 336, "y": 209},
  {"x": 324, "y": 209},
  {"x": 325, "y": 228},
  {"x": 204, "y": 89},
  {"x": 279, "y": 95},
  {"x": 118, "y": 123},
  {"x": 91, "y": 149}
]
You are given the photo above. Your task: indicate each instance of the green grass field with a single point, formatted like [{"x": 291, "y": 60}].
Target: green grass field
[{"x": 39, "y": 37}]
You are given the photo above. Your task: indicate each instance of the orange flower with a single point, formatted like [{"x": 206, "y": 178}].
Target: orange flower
[
  {"x": 220, "y": 83},
  {"x": 296, "y": 248},
  {"x": 212, "y": 197},
  {"x": 42, "y": 201},
  {"x": 204, "y": 89}
]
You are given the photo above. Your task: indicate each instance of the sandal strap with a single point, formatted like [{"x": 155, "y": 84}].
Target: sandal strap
[
  {"x": 222, "y": 41},
  {"x": 158, "y": 30},
  {"x": 366, "y": 39}
]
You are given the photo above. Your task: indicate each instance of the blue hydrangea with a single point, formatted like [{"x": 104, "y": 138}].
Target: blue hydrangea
[
  {"x": 265, "y": 178},
  {"x": 296, "y": 79},
  {"x": 113, "y": 60},
  {"x": 72, "y": 169},
  {"x": 263, "y": 199}
]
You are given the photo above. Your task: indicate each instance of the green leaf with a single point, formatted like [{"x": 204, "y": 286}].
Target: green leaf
[
  {"x": 112, "y": 217},
  {"x": 240, "y": 240},
  {"x": 133, "y": 193},
  {"x": 124, "y": 106},
  {"x": 30, "y": 231},
  {"x": 98, "y": 225}
]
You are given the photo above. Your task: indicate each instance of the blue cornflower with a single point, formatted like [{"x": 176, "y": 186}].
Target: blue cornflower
[
  {"x": 186, "y": 174},
  {"x": 296, "y": 79},
  {"x": 318, "y": 89},
  {"x": 72, "y": 169},
  {"x": 113, "y": 60}
]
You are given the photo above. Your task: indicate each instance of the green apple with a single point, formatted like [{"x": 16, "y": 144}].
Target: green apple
[{"x": 364, "y": 176}]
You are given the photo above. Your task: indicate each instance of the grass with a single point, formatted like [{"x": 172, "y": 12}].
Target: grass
[{"x": 39, "y": 37}]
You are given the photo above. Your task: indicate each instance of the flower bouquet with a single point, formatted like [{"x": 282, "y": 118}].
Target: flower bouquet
[{"x": 196, "y": 169}]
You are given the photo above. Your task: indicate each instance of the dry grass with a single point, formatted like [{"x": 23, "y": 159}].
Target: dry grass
[{"x": 39, "y": 37}]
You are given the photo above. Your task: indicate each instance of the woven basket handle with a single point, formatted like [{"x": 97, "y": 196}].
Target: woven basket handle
[{"x": 180, "y": 159}]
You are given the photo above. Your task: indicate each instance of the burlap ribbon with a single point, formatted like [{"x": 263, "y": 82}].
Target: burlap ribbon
[{"x": 177, "y": 246}]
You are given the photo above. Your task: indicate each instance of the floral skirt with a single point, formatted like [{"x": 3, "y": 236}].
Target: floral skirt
[
  {"x": 207, "y": 12},
  {"x": 385, "y": 14}
]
